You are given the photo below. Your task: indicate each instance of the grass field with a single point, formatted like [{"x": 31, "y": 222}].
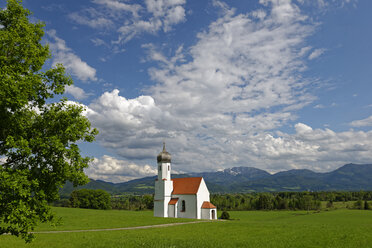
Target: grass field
[{"x": 339, "y": 228}]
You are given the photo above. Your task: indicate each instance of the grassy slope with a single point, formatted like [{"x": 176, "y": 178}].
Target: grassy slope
[
  {"x": 84, "y": 219},
  {"x": 341, "y": 228}
]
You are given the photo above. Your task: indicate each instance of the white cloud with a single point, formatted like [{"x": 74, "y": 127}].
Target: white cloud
[
  {"x": 318, "y": 149},
  {"x": 136, "y": 124},
  {"x": 120, "y": 6},
  {"x": 116, "y": 170},
  {"x": 76, "y": 92},
  {"x": 98, "y": 42},
  {"x": 325, "y": 4},
  {"x": 283, "y": 10},
  {"x": 367, "y": 122},
  {"x": 63, "y": 54},
  {"x": 132, "y": 19},
  {"x": 218, "y": 108},
  {"x": 316, "y": 53},
  {"x": 92, "y": 21},
  {"x": 321, "y": 106},
  {"x": 238, "y": 66},
  {"x": 160, "y": 15}
]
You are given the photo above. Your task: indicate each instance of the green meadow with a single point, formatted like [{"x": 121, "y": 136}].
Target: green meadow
[{"x": 337, "y": 228}]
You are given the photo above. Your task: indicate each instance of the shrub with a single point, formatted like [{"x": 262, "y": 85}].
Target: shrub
[
  {"x": 225, "y": 215},
  {"x": 359, "y": 204},
  {"x": 366, "y": 205}
]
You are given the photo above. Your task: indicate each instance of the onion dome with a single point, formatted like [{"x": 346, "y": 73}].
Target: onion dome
[{"x": 164, "y": 156}]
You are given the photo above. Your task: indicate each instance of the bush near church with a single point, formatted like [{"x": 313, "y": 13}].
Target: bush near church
[
  {"x": 225, "y": 215},
  {"x": 90, "y": 198}
]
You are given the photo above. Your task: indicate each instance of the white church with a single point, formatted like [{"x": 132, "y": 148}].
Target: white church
[{"x": 180, "y": 197}]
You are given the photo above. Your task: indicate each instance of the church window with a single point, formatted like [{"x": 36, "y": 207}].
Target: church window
[
  {"x": 183, "y": 206},
  {"x": 168, "y": 167}
]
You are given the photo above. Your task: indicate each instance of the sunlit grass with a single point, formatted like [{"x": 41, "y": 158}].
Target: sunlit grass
[{"x": 339, "y": 228}]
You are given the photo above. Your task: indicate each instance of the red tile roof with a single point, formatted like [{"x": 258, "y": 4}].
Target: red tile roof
[
  {"x": 186, "y": 186},
  {"x": 207, "y": 204},
  {"x": 173, "y": 201}
]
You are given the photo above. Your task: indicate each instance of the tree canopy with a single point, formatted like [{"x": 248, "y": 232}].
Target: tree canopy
[
  {"x": 90, "y": 198},
  {"x": 38, "y": 137}
]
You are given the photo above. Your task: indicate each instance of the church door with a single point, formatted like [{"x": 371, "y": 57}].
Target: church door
[{"x": 213, "y": 214}]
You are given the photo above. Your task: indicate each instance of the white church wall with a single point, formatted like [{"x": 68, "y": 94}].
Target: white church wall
[
  {"x": 190, "y": 202},
  {"x": 158, "y": 208},
  {"x": 202, "y": 195},
  {"x": 205, "y": 213},
  {"x": 171, "y": 210},
  {"x": 168, "y": 188},
  {"x": 163, "y": 191},
  {"x": 175, "y": 210},
  {"x": 164, "y": 171}
]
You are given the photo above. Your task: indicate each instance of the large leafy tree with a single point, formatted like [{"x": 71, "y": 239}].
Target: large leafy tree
[{"x": 38, "y": 137}]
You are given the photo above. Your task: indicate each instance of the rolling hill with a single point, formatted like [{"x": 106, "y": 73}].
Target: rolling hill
[{"x": 350, "y": 177}]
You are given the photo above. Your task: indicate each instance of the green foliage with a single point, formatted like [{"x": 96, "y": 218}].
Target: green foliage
[
  {"x": 133, "y": 202},
  {"x": 225, "y": 215},
  {"x": 267, "y": 201},
  {"x": 366, "y": 205},
  {"x": 359, "y": 204},
  {"x": 329, "y": 204},
  {"x": 287, "y": 200},
  {"x": 37, "y": 139},
  {"x": 90, "y": 198}
]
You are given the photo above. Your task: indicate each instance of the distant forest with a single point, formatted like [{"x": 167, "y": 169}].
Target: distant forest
[{"x": 227, "y": 202}]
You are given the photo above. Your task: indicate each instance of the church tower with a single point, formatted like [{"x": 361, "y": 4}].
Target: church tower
[{"x": 163, "y": 184}]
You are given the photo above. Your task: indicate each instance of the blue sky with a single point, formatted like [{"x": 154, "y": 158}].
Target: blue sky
[{"x": 273, "y": 84}]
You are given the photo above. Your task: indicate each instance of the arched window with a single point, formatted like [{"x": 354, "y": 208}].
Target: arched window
[
  {"x": 168, "y": 167},
  {"x": 183, "y": 206}
]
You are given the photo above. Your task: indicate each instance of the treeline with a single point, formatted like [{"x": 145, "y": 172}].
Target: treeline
[
  {"x": 99, "y": 199},
  {"x": 86, "y": 198},
  {"x": 133, "y": 202},
  {"x": 287, "y": 200},
  {"x": 264, "y": 201}
]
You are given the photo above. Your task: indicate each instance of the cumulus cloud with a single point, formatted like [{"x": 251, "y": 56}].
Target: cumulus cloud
[
  {"x": 218, "y": 102},
  {"x": 242, "y": 80},
  {"x": 73, "y": 63},
  {"x": 367, "y": 122},
  {"x": 136, "y": 124},
  {"x": 318, "y": 149},
  {"x": 116, "y": 170},
  {"x": 76, "y": 92}
]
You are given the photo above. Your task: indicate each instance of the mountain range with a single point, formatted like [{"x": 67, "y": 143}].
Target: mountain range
[{"x": 350, "y": 177}]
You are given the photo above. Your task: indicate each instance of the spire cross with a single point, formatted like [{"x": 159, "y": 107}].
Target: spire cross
[{"x": 163, "y": 146}]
